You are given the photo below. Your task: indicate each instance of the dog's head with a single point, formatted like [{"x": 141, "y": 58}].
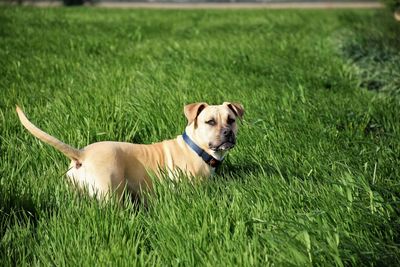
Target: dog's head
[{"x": 213, "y": 127}]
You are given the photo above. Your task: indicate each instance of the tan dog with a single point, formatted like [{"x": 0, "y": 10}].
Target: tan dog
[{"x": 106, "y": 167}]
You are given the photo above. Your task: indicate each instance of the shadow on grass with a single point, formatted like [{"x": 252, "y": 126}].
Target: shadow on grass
[
  {"x": 376, "y": 54},
  {"x": 239, "y": 171},
  {"x": 17, "y": 211},
  {"x": 19, "y": 218}
]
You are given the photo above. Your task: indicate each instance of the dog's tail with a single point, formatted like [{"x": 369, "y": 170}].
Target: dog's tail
[{"x": 70, "y": 152}]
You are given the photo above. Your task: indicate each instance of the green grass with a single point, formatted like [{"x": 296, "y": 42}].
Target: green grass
[{"x": 314, "y": 179}]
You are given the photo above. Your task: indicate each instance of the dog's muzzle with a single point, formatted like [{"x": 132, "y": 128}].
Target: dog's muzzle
[
  {"x": 228, "y": 141},
  {"x": 225, "y": 146}
]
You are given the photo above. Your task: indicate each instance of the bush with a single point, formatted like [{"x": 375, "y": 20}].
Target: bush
[
  {"x": 393, "y": 5},
  {"x": 73, "y": 2}
]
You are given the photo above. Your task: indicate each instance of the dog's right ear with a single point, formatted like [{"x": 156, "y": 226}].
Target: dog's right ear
[{"x": 193, "y": 110}]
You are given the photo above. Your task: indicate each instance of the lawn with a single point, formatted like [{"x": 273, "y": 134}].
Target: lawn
[{"x": 313, "y": 180}]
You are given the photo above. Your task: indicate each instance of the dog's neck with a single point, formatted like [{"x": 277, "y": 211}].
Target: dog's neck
[{"x": 219, "y": 155}]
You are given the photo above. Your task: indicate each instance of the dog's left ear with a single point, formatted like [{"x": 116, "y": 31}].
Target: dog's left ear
[
  {"x": 236, "y": 108},
  {"x": 193, "y": 110}
]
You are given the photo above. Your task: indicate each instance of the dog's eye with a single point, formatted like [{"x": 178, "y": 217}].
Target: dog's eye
[
  {"x": 231, "y": 121},
  {"x": 211, "y": 122}
]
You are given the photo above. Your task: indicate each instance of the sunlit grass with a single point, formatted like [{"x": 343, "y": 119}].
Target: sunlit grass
[{"x": 314, "y": 178}]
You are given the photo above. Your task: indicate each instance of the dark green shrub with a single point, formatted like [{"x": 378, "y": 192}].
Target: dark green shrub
[
  {"x": 73, "y": 2},
  {"x": 393, "y": 5}
]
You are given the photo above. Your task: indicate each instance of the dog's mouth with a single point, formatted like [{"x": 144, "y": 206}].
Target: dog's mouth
[{"x": 223, "y": 146}]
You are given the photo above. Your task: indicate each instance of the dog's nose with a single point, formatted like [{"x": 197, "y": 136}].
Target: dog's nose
[{"x": 226, "y": 132}]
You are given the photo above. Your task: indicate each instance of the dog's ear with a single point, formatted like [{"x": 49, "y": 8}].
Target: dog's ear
[
  {"x": 193, "y": 110},
  {"x": 236, "y": 108}
]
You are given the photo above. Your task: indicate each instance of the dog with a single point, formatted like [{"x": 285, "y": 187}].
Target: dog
[{"x": 113, "y": 167}]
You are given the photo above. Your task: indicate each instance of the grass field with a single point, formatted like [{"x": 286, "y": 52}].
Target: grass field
[{"x": 314, "y": 179}]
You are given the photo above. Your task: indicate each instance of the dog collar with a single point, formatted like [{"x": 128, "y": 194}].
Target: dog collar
[{"x": 210, "y": 160}]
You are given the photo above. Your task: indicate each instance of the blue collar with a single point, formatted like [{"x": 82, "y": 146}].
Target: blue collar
[{"x": 210, "y": 160}]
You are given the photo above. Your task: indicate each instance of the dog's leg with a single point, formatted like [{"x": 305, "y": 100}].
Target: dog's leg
[{"x": 96, "y": 181}]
